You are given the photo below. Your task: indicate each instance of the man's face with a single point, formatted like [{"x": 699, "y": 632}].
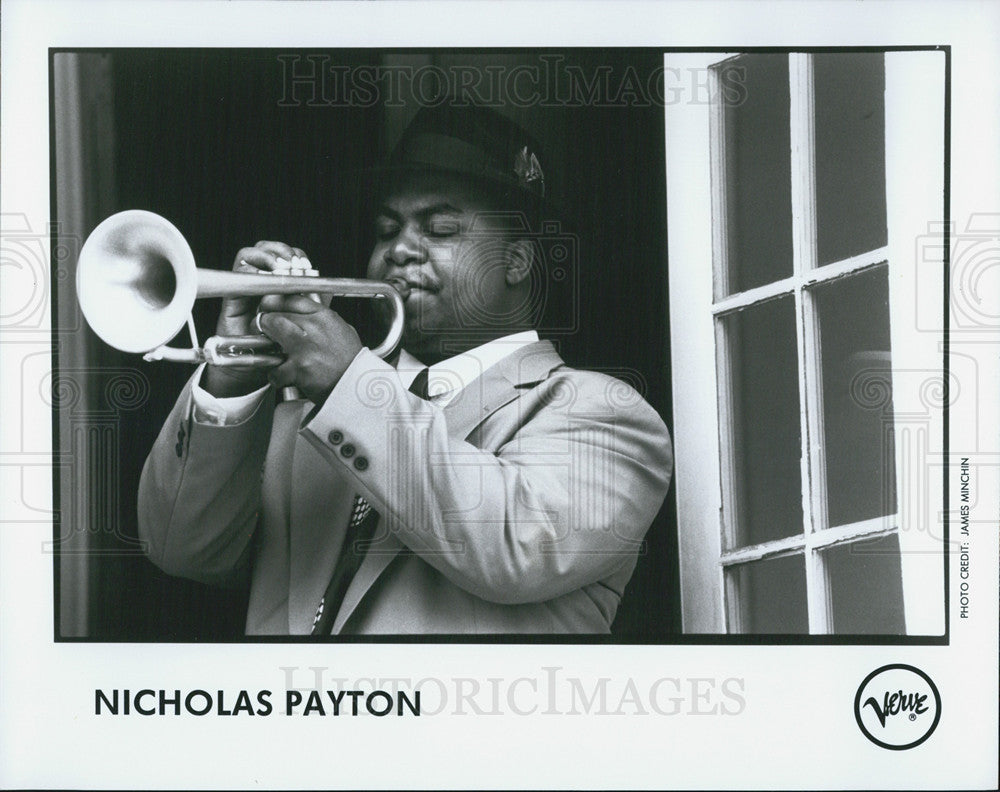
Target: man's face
[{"x": 449, "y": 261}]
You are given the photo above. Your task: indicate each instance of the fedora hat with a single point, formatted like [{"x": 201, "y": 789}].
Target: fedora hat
[{"x": 471, "y": 141}]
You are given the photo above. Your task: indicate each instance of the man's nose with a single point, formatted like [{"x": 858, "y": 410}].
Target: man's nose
[{"x": 406, "y": 248}]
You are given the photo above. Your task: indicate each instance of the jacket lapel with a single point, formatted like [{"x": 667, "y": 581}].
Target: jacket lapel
[
  {"x": 499, "y": 385},
  {"x": 385, "y": 548},
  {"x": 318, "y": 520}
]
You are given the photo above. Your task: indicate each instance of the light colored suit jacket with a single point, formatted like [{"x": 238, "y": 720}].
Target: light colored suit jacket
[{"x": 520, "y": 507}]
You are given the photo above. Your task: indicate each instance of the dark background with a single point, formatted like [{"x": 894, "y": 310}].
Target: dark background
[{"x": 215, "y": 141}]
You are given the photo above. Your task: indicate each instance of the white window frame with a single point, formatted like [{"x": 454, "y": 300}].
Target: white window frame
[{"x": 914, "y": 129}]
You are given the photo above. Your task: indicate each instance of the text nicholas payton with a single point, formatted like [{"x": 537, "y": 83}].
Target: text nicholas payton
[{"x": 297, "y": 702}]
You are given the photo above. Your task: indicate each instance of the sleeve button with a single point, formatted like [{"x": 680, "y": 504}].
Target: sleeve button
[
  {"x": 361, "y": 463},
  {"x": 347, "y": 450},
  {"x": 336, "y": 437}
]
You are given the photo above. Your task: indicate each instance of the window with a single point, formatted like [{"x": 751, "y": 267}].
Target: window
[{"x": 798, "y": 187}]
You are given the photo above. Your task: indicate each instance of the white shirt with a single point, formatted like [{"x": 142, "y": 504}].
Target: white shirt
[{"x": 444, "y": 379}]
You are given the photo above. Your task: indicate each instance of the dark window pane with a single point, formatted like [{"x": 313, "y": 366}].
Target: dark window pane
[
  {"x": 773, "y": 595},
  {"x": 765, "y": 411},
  {"x": 758, "y": 174},
  {"x": 850, "y": 154},
  {"x": 866, "y": 587},
  {"x": 857, "y": 397}
]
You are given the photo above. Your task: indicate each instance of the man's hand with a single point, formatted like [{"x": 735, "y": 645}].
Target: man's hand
[
  {"x": 237, "y": 315},
  {"x": 319, "y": 344}
]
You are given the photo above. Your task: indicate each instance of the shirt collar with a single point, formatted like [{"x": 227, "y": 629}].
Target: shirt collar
[{"x": 449, "y": 376}]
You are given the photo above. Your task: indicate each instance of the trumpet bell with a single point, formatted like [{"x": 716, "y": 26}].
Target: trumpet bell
[{"x": 136, "y": 280}]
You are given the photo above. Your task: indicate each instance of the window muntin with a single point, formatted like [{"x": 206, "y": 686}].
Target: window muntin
[{"x": 834, "y": 307}]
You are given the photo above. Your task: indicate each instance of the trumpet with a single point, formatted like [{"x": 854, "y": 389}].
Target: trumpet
[{"x": 137, "y": 282}]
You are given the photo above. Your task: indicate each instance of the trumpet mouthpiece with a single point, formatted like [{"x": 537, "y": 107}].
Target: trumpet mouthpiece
[{"x": 401, "y": 286}]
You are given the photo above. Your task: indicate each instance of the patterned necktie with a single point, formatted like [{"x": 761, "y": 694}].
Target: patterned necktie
[{"x": 359, "y": 535}]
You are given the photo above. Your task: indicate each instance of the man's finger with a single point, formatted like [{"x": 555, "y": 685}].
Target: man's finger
[
  {"x": 252, "y": 259},
  {"x": 280, "y": 327},
  {"x": 290, "y": 303},
  {"x": 282, "y": 375},
  {"x": 279, "y": 250},
  {"x": 301, "y": 259}
]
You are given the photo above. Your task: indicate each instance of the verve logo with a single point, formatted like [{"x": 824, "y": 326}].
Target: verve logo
[{"x": 897, "y": 706}]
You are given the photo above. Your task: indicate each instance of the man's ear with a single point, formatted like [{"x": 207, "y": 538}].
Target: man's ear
[{"x": 520, "y": 257}]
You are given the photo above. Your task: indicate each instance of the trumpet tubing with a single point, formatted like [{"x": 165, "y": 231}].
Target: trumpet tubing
[{"x": 137, "y": 282}]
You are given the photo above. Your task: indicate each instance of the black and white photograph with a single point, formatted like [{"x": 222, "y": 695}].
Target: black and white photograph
[
  {"x": 524, "y": 291},
  {"x": 325, "y": 501},
  {"x": 567, "y": 379}
]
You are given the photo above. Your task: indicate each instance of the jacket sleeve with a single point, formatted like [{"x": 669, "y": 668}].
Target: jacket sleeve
[
  {"x": 199, "y": 493},
  {"x": 563, "y": 503}
]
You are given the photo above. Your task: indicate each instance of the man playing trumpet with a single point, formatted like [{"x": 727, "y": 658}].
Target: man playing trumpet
[{"x": 473, "y": 483}]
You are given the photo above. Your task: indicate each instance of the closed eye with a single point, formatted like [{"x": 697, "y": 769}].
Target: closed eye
[{"x": 386, "y": 228}]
